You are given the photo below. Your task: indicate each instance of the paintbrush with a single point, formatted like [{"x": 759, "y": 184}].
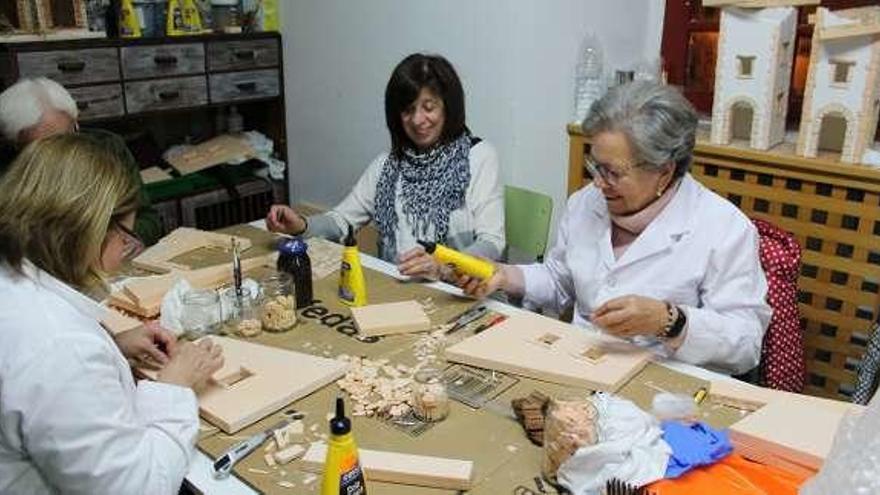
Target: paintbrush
[{"x": 236, "y": 271}]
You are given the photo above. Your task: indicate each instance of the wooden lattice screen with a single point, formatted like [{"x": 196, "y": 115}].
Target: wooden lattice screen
[{"x": 834, "y": 211}]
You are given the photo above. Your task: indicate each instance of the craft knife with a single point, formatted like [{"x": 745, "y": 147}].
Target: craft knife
[
  {"x": 467, "y": 317},
  {"x": 223, "y": 465}
]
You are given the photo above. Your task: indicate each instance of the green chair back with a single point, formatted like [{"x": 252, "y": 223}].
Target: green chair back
[{"x": 527, "y": 217}]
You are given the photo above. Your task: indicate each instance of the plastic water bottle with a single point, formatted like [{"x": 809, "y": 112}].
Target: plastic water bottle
[
  {"x": 293, "y": 258},
  {"x": 589, "y": 85}
]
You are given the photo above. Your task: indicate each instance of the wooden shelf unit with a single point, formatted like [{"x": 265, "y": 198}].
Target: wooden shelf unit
[{"x": 834, "y": 211}]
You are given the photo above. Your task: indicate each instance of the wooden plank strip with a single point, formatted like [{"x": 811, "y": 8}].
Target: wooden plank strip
[{"x": 404, "y": 469}]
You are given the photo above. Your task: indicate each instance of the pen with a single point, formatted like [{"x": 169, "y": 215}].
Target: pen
[{"x": 494, "y": 321}]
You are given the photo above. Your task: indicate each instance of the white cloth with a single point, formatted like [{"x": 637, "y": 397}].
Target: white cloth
[
  {"x": 630, "y": 448},
  {"x": 477, "y": 228},
  {"x": 72, "y": 419},
  {"x": 700, "y": 253}
]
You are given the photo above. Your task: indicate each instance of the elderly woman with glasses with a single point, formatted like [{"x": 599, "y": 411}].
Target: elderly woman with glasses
[{"x": 645, "y": 252}]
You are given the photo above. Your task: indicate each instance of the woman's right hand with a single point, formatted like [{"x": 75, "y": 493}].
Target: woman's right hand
[
  {"x": 193, "y": 364},
  {"x": 479, "y": 288},
  {"x": 282, "y": 218}
]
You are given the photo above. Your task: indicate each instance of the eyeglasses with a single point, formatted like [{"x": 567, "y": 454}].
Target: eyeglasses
[
  {"x": 607, "y": 174},
  {"x": 133, "y": 242}
]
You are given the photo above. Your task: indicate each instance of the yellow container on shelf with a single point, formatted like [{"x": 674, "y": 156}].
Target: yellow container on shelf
[{"x": 129, "y": 26}]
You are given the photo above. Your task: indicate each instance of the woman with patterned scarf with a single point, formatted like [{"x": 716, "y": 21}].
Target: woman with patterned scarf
[{"x": 438, "y": 182}]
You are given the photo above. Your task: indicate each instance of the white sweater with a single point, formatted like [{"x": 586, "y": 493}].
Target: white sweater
[{"x": 477, "y": 227}]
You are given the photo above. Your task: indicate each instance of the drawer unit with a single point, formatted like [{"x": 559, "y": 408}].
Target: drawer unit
[
  {"x": 163, "y": 94},
  {"x": 239, "y": 86},
  {"x": 95, "y": 102},
  {"x": 142, "y": 62},
  {"x": 242, "y": 55},
  {"x": 89, "y": 65}
]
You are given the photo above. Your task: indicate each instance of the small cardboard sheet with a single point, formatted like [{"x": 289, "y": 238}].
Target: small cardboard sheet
[
  {"x": 546, "y": 349},
  {"x": 406, "y": 469},
  {"x": 258, "y": 380},
  {"x": 390, "y": 318},
  {"x": 216, "y": 151}
]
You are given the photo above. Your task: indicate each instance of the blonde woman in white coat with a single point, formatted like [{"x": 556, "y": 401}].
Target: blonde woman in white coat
[
  {"x": 645, "y": 252},
  {"x": 72, "y": 417}
]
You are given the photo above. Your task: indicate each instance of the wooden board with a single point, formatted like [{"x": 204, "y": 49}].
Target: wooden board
[
  {"x": 143, "y": 296},
  {"x": 546, "y": 349},
  {"x": 390, "y": 318},
  {"x": 158, "y": 258},
  {"x": 790, "y": 432},
  {"x": 154, "y": 174},
  {"x": 216, "y": 151},
  {"x": 258, "y": 380},
  {"x": 405, "y": 469},
  {"x": 745, "y": 396},
  {"x": 116, "y": 322}
]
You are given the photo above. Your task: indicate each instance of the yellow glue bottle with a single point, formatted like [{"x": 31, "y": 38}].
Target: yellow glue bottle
[
  {"x": 352, "y": 287},
  {"x": 342, "y": 468},
  {"x": 460, "y": 262},
  {"x": 129, "y": 26}
]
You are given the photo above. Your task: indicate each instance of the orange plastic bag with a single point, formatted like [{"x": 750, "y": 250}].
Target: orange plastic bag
[{"x": 733, "y": 475}]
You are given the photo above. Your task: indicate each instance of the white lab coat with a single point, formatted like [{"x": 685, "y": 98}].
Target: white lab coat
[
  {"x": 72, "y": 419},
  {"x": 700, "y": 253}
]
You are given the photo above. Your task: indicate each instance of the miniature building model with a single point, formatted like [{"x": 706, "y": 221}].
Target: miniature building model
[
  {"x": 842, "y": 95},
  {"x": 753, "y": 75},
  {"x": 42, "y": 15}
]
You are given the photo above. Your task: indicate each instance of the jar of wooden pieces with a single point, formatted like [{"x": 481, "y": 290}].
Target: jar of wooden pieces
[
  {"x": 569, "y": 425},
  {"x": 278, "y": 304},
  {"x": 430, "y": 399},
  {"x": 243, "y": 319}
]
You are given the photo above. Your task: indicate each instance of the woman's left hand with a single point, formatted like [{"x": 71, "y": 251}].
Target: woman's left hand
[
  {"x": 631, "y": 315},
  {"x": 418, "y": 263},
  {"x": 148, "y": 345}
]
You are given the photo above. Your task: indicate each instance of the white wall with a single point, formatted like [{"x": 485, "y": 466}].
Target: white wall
[{"x": 516, "y": 59}]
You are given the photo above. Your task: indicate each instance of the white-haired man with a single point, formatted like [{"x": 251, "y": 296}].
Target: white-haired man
[{"x": 32, "y": 109}]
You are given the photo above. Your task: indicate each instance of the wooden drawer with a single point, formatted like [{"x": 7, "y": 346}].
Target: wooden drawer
[
  {"x": 95, "y": 102},
  {"x": 140, "y": 62},
  {"x": 236, "y": 86},
  {"x": 239, "y": 55},
  {"x": 84, "y": 66},
  {"x": 161, "y": 94}
]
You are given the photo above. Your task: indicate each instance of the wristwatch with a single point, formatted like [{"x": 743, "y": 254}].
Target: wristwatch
[{"x": 676, "y": 325}]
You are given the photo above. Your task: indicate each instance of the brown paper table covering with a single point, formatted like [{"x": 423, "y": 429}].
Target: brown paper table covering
[{"x": 503, "y": 457}]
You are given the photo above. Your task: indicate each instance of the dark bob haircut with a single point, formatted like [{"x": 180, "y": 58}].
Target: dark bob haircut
[{"x": 415, "y": 72}]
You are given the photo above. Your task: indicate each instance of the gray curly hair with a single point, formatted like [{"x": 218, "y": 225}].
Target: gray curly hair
[{"x": 659, "y": 123}]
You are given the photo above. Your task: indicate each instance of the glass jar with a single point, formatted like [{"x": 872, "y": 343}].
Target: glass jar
[
  {"x": 570, "y": 423},
  {"x": 278, "y": 304},
  {"x": 200, "y": 313},
  {"x": 240, "y": 313},
  {"x": 430, "y": 398}
]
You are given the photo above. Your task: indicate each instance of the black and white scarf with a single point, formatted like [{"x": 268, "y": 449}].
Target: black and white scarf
[{"x": 433, "y": 185}]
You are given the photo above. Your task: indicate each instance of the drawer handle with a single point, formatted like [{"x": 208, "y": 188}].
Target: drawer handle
[
  {"x": 71, "y": 65},
  {"x": 169, "y": 95},
  {"x": 246, "y": 87},
  {"x": 245, "y": 54},
  {"x": 82, "y": 106},
  {"x": 165, "y": 60}
]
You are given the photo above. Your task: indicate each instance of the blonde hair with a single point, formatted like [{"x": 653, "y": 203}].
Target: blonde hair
[{"x": 57, "y": 202}]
